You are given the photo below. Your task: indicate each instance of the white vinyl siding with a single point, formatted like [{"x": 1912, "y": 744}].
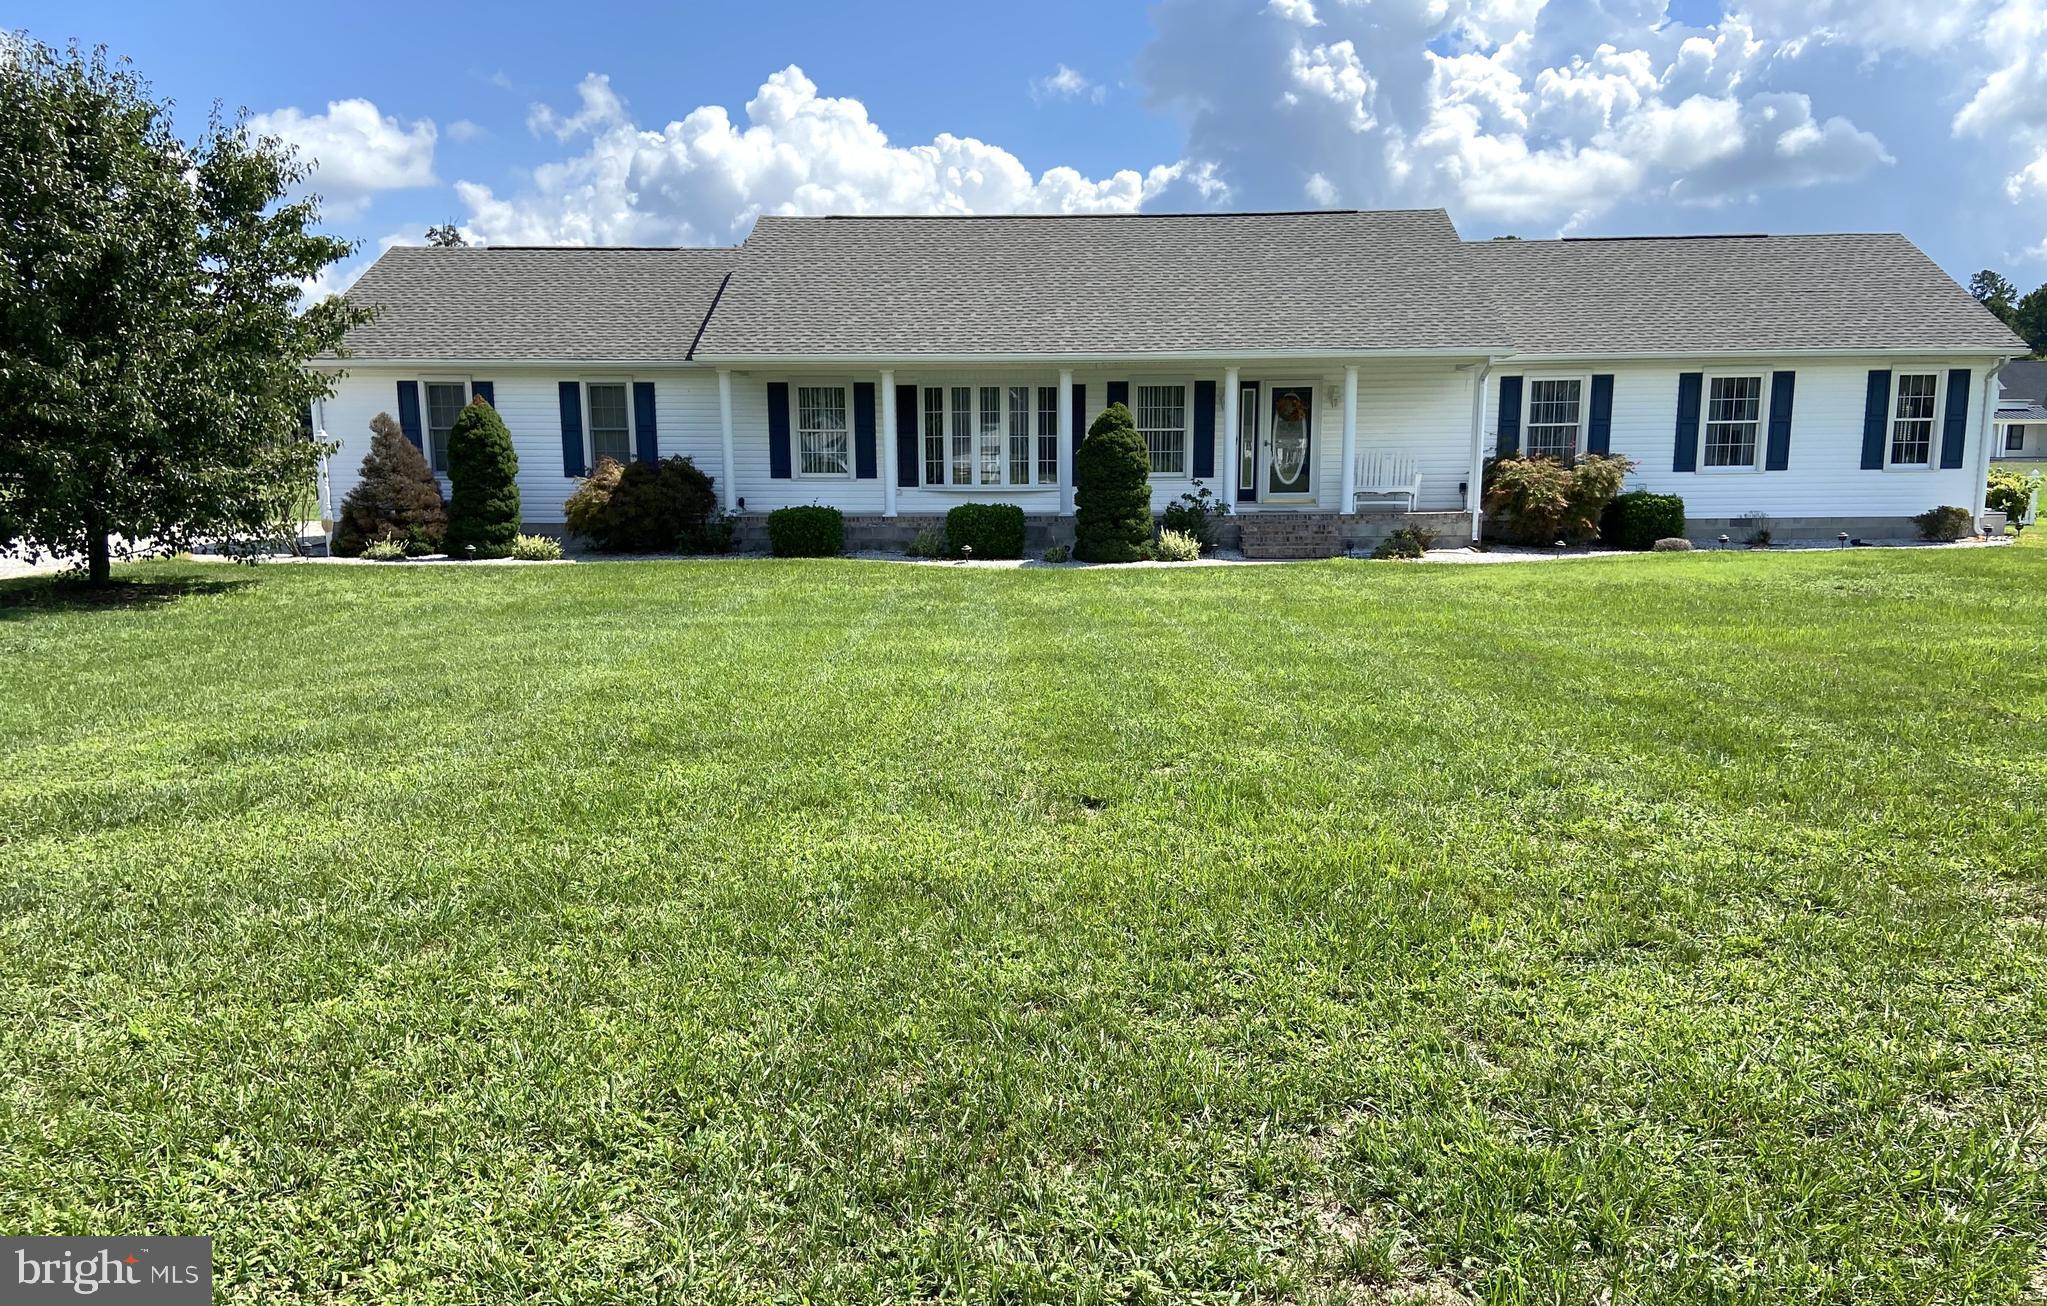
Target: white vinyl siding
[
  {"x": 1734, "y": 422},
  {"x": 609, "y": 422},
  {"x": 824, "y": 441},
  {"x": 1827, "y": 476},
  {"x": 444, "y": 402},
  {"x": 1162, "y": 421},
  {"x": 1555, "y": 417},
  {"x": 1914, "y": 403}
]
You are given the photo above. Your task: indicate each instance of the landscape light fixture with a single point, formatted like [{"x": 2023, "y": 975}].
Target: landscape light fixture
[
  {"x": 1843, "y": 537},
  {"x": 1723, "y": 541}
]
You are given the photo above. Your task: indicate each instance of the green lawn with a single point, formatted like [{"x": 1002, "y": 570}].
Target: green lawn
[{"x": 1662, "y": 929}]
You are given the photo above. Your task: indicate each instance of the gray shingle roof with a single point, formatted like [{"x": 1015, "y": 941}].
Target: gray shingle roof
[
  {"x": 1734, "y": 293},
  {"x": 2022, "y": 413},
  {"x": 562, "y": 303},
  {"x": 1244, "y": 283},
  {"x": 2025, "y": 380},
  {"x": 1166, "y": 283}
]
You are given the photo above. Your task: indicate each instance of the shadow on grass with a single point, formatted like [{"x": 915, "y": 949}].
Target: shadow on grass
[{"x": 31, "y": 596}]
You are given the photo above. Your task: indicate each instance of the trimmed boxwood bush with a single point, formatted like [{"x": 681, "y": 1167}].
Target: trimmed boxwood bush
[
  {"x": 1945, "y": 524},
  {"x": 1637, "y": 519},
  {"x": 395, "y": 497},
  {"x": 647, "y": 508},
  {"x": 991, "y": 530},
  {"x": 1112, "y": 491},
  {"x": 483, "y": 475},
  {"x": 812, "y": 531}
]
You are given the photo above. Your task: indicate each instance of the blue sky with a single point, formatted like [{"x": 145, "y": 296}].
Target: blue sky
[{"x": 599, "y": 123}]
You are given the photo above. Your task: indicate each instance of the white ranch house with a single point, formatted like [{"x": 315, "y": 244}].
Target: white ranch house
[{"x": 1334, "y": 374}]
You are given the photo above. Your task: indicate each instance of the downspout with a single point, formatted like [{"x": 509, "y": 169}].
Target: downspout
[
  {"x": 1473, "y": 494},
  {"x": 324, "y": 491},
  {"x": 1985, "y": 430}
]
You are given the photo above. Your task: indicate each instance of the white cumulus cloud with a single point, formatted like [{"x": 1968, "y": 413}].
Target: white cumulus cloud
[
  {"x": 1065, "y": 83},
  {"x": 357, "y": 151},
  {"x": 704, "y": 178}
]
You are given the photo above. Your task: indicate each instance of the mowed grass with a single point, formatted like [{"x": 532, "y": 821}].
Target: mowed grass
[{"x": 1664, "y": 929}]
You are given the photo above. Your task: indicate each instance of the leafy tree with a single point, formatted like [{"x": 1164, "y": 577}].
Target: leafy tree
[
  {"x": 1112, "y": 490},
  {"x": 2029, "y": 319},
  {"x": 483, "y": 480},
  {"x": 1995, "y": 293},
  {"x": 395, "y": 497},
  {"x": 445, "y": 236},
  {"x": 152, "y": 351}
]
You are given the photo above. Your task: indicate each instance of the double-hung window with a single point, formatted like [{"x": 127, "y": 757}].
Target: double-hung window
[
  {"x": 609, "y": 421},
  {"x": 1556, "y": 410},
  {"x": 1734, "y": 421},
  {"x": 1162, "y": 421},
  {"x": 2014, "y": 438},
  {"x": 1914, "y": 398},
  {"x": 992, "y": 435},
  {"x": 445, "y": 401},
  {"x": 824, "y": 436}
]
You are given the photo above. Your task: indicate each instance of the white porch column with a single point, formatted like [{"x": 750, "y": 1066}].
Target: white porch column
[
  {"x": 727, "y": 477},
  {"x": 1226, "y": 462},
  {"x": 1349, "y": 503},
  {"x": 1065, "y": 442},
  {"x": 1986, "y": 431},
  {"x": 887, "y": 436},
  {"x": 1473, "y": 491}
]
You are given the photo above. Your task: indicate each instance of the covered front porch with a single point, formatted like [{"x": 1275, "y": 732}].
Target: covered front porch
[{"x": 1362, "y": 441}]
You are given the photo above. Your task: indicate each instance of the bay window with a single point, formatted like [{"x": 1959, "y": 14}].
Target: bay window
[{"x": 1000, "y": 436}]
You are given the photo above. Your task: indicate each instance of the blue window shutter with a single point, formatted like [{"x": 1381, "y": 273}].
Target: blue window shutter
[
  {"x": 1599, "y": 423},
  {"x": 907, "y": 461},
  {"x": 778, "y": 430},
  {"x": 1204, "y": 430},
  {"x": 1510, "y": 416},
  {"x": 865, "y": 458},
  {"x": 485, "y": 391},
  {"x": 1119, "y": 393},
  {"x": 408, "y": 414},
  {"x": 1783, "y": 389},
  {"x": 1689, "y": 386},
  {"x": 1956, "y": 435},
  {"x": 1875, "y": 408},
  {"x": 646, "y": 439},
  {"x": 1079, "y": 416},
  {"x": 572, "y": 429}
]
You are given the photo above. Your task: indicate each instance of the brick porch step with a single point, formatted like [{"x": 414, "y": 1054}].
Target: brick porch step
[{"x": 1290, "y": 535}]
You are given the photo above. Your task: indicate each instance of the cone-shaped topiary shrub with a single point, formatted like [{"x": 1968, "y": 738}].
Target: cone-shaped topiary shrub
[
  {"x": 395, "y": 497},
  {"x": 483, "y": 471},
  {"x": 1111, "y": 491}
]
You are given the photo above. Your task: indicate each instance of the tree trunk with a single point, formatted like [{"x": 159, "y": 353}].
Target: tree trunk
[{"x": 99, "y": 561}]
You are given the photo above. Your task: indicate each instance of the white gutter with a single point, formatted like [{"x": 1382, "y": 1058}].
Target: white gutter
[{"x": 1138, "y": 357}]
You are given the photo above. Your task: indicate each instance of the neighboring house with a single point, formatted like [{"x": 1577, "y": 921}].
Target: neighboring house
[
  {"x": 1333, "y": 374},
  {"x": 2021, "y": 418}
]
